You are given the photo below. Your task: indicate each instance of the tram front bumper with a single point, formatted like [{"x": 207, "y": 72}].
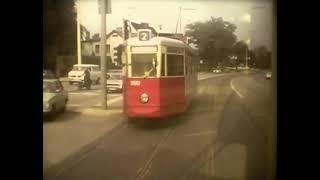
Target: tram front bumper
[{"x": 144, "y": 112}]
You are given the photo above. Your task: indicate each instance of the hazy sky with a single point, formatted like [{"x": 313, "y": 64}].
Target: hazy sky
[{"x": 165, "y": 13}]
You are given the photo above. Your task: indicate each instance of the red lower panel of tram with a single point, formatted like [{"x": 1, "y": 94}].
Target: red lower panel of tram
[{"x": 165, "y": 97}]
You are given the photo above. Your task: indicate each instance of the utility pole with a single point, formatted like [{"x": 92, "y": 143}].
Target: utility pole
[
  {"x": 102, "y": 10},
  {"x": 179, "y": 16},
  {"x": 179, "y": 21},
  {"x": 246, "y": 57},
  {"x": 78, "y": 33}
]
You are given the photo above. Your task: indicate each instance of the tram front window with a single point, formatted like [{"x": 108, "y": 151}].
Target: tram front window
[{"x": 143, "y": 65}]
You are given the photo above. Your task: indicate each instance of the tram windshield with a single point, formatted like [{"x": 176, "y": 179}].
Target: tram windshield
[{"x": 143, "y": 65}]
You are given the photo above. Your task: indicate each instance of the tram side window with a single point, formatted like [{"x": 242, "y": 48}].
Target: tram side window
[
  {"x": 163, "y": 65},
  {"x": 175, "y": 65},
  {"x": 187, "y": 65}
]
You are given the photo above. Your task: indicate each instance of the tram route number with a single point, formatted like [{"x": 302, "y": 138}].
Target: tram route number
[
  {"x": 135, "y": 83},
  {"x": 144, "y": 35}
]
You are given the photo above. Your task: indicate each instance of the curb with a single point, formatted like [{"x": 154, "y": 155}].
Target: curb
[{"x": 64, "y": 79}]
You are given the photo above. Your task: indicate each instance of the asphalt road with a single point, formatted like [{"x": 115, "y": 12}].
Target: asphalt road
[{"x": 229, "y": 112}]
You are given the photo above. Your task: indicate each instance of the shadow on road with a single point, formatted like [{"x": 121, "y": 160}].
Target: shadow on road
[
  {"x": 67, "y": 115},
  {"x": 242, "y": 140},
  {"x": 239, "y": 152}
]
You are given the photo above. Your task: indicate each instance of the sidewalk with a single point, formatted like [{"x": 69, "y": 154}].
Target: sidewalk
[
  {"x": 64, "y": 79},
  {"x": 74, "y": 133}
]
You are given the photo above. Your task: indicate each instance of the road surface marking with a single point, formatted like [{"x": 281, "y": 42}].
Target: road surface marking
[
  {"x": 239, "y": 94},
  {"x": 84, "y": 93},
  {"x": 111, "y": 101},
  {"x": 73, "y": 105},
  {"x": 201, "y": 133}
]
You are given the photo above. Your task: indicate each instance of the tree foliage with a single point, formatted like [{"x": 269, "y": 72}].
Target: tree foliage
[
  {"x": 96, "y": 36},
  {"x": 85, "y": 34},
  {"x": 214, "y": 38},
  {"x": 262, "y": 57},
  {"x": 239, "y": 50},
  {"x": 59, "y": 30}
]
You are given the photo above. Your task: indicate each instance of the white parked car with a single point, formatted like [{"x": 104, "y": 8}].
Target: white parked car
[
  {"x": 114, "y": 80},
  {"x": 55, "y": 97},
  {"x": 216, "y": 71},
  {"x": 268, "y": 75},
  {"x": 77, "y": 73}
]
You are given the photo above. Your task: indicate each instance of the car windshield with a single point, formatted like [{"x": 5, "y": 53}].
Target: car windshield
[
  {"x": 114, "y": 77},
  {"x": 49, "y": 86}
]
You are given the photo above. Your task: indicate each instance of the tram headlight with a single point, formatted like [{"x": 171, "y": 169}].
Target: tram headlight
[{"x": 144, "y": 98}]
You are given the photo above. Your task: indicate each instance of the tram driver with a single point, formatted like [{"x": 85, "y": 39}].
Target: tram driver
[{"x": 149, "y": 69}]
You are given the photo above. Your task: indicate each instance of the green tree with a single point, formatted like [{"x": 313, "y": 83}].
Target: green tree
[
  {"x": 59, "y": 30},
  {"x": 239, "y": 50},
  {"x": 85, "y": 34},
  {"x": 262, "y": 57},
  {"x": 96, "y": 36},
  {"x": 214, "y": 38}
]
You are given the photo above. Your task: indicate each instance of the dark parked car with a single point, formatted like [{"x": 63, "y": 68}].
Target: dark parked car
[{"x": 47, "y": 74}]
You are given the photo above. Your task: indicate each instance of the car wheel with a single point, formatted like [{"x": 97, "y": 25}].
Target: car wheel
[
  {"x": 70, "y": 82},
  {"x": 64, "y": 107},
  {"x": 52, "y": 113}
]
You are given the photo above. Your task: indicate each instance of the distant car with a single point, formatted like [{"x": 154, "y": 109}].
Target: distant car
[
  {"x": 76, "y": 75},
  {"x": 268, "y": 75},
  {"x": 55, "y": 98},
  {"x": 216, "y": 71},
  {"x": 114, "y": 80}
]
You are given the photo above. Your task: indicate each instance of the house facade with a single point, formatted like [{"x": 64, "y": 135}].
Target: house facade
[{"x": 91, "y": 47}]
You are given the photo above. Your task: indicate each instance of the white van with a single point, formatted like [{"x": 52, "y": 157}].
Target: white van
[{"x": 77, "y": 73}]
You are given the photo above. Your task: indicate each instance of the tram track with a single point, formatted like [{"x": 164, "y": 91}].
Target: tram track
[{"x": 145, "y": 169}]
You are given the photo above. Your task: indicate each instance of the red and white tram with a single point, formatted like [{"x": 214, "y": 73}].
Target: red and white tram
[{"x": 160, "y": 76}]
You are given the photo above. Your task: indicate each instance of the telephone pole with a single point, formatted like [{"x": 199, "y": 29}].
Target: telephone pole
[{"x": 103, "y": 5}]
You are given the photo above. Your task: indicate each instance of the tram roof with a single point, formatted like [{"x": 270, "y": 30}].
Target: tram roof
[{"x": 158, "y": 41}]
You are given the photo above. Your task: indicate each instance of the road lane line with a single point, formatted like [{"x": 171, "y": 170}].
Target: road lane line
[
  {"x": 84, "y": 93},
  {"x": 201, "y": 133},
  {"x": 73, "y": 105},
  {"x": 239, "y": 94},
  {"x": 111, "y": 101}
]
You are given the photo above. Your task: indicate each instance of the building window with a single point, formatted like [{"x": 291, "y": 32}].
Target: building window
[
  {"x": 175, "y": 66},
  {"x": 82, "y": 46},
  {"x": 108, "y": 48},
  {"x": 97, "y": 48}
]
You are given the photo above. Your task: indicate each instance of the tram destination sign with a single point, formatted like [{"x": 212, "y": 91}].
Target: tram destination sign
[{"x": 144, "y": 48}]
